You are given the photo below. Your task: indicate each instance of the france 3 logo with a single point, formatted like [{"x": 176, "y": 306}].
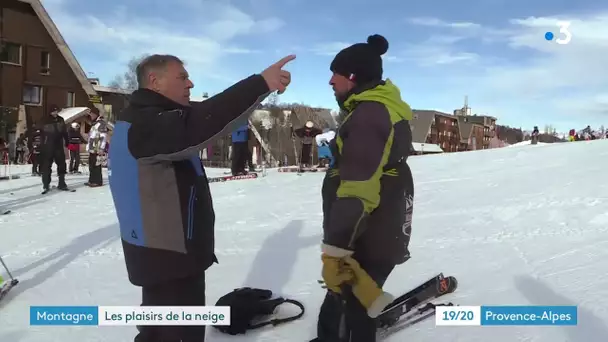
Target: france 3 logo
[{"x": 564, "y": 30}]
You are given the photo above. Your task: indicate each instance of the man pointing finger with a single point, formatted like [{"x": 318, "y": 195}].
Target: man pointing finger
[
  {"x": 276, "y": 77},
  {"x": 159, "y": 187}
]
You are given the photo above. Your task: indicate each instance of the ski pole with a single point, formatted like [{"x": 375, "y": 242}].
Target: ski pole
[{"x": 6, "y": 268}]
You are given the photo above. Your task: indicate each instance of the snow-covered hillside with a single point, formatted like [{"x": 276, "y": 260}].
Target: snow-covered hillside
[{"x": 516, "y": 226}]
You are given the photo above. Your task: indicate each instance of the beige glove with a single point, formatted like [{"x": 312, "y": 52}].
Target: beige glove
[{"x": 366, "y": 290}]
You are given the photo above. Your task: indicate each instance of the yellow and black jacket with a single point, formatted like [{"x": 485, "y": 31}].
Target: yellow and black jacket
[{"x": 368, "y": 192}]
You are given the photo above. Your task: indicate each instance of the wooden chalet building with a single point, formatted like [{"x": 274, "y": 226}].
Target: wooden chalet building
[{"x": 37, "y": 68}]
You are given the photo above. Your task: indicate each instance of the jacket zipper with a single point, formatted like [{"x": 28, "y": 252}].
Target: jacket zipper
[{"x": 191, "y": 212}]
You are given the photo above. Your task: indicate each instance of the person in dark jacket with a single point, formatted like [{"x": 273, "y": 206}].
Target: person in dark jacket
[
  {"x": 240, "y": 150},
  {"x": 159, "y": 186},
  {"x": 75, "y": 140},
  {"x": 20, "y": 149},
  {"x": 54, "y": 141},
  {"x": 307, "y": 136},
  {"x": 367, "y": 194}
]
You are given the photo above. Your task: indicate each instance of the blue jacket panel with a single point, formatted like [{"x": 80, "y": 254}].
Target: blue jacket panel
[{"x": 240, "y": 135}]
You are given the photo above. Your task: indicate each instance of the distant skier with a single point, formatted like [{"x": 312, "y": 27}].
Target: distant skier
[
  {"x": 76, "y": 140},
  {"x": 306, "y": 135},
  {"x": 572, "y": 135},
  {"x": 534, "y": 137},
  {"x": 240, "y": 150},
  {"x": 54, "y": 139},
  {"x": 97, "y": 146},
  {"x": 324, "y": 152}
]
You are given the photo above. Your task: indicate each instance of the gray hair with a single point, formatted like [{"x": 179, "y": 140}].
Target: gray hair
[{"x": 153, "y": 63}]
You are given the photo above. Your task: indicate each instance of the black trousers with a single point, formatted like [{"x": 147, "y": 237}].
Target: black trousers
[
  {"x": 305, "y": 155},
  {"x": 95, "y": 176},
  {"x": 179, "y": 292},
  {"x": 343, "y": 318},
  {"x": 74, "y": 160},
  {"x": 35, "y": 157},
  {"x": 240, "y": 155},
  {"x": 49, "y": 157}
]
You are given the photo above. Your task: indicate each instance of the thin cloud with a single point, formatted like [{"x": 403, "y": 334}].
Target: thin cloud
[
  {"x": 524, "y": 73},
  {"x": 329, "y": 49},
  {"x": 435, "y": 22},
  {"x": 122, "y": 34}
]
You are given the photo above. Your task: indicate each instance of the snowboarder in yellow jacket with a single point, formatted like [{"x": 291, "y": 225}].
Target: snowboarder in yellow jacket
[{"x": 367, "y": 194}]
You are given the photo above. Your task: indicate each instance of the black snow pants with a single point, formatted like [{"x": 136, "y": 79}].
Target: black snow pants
[
  {"x": 343, "y": 318},
  {"x": 50, "y": 156},
  {"x": 240, "y": 154},
  {"x": 35, "y": 158},
  {"x": 305, "y": 157},
  {"x": 74, "y": 161},
  {"x": 95, "y": 175},
  {"x": 177, "y": 292}
]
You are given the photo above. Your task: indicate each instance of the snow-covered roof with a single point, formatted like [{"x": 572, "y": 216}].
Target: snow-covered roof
[
  {"x": 72, "y": 114},
  {"x": 526, "y": 143},
  {"x": 430, "y": 148},
  {"x": 104, "y": 89}
]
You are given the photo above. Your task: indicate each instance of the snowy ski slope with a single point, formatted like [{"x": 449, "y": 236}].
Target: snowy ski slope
[{"x": 516, "y": 226}]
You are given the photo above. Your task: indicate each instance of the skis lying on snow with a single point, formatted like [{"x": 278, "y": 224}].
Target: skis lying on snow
[
  {"x": 252, "y": 175},
  {"x": 415, "y": 305},
  {"x": 7, "y": 286},
  {"x": 250, "y": 171},
  {"x": 54, "y": 187},
  {"x": 302, "y": 169}
]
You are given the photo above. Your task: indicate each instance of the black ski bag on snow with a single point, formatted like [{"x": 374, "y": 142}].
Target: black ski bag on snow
[{"x": 248, "y": 304}]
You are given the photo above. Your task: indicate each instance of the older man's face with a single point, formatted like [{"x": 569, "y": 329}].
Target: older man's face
[{"x": 175, "y": 84}]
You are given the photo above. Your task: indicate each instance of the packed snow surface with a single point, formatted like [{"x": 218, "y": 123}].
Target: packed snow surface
[{"x": 516, "y": 226}]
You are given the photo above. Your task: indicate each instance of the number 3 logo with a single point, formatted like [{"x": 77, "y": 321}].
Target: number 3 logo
[{"x": 563, "y": 29}]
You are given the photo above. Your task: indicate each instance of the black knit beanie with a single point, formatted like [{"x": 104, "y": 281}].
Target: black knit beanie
[{"x": 361, "y": 62}]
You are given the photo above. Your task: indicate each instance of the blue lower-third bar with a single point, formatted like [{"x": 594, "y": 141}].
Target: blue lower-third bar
[
  {"x": 64, "y": 315},
  {"x": 529, "y": 315}
]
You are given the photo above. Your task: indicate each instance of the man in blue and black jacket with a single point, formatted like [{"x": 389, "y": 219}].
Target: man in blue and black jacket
[{"x": 159, "y": 187}]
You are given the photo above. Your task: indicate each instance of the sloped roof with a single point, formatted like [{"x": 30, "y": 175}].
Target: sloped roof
[
  {"x": 105, "y": 89},
  {"x": 63, "y": 47},
  {"x": 421, "y": 123},
  {"x": 429, "y": 148},
  {"x": 466, "y": 128},
  {"x": 73, "y": 113}
]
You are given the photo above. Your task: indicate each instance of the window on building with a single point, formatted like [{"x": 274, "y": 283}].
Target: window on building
[
  {"x": 32, "y": 95},
  {"x": 71, "y": 100},
  {"x": 45, "y": 63},
  {"x": 10, "y": 53}
]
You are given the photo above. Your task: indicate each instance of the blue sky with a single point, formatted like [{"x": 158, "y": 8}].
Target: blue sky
[{"x": 493, "y": 51}]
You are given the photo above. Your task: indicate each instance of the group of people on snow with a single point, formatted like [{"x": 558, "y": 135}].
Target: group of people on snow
[
  {"x": 242, "y": 154},
  {"x": 165, "y": 208},
  {"x": 587, "y": 134},
  {"x": 47, "y": 140}
]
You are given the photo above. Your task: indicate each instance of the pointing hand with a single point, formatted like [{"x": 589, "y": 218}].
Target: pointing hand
[{"x": 276, "y": 78}]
